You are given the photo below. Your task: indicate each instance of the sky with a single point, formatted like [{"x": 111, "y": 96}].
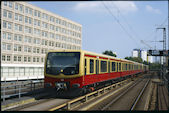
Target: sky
[{"x": 118, "y": 26}]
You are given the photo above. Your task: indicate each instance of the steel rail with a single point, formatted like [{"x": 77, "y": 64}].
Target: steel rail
[
  {"x": 161, "y": 98},
  {"x": 139, "y": 96},
  {"x": 85, "y": 97},
  {"x": 118, "y": 97},
  {"x": 165, "y": 98}
]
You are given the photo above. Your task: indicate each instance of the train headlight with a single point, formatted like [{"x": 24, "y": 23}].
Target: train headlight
[
  {"x": 72, "y": 72},
  {"x": 76, "y": 85}
]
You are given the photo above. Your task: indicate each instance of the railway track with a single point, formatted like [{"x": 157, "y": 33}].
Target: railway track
[
  {"x": 53, "y": 103},
  {"x": 42, "y": 104},
  {"x": 78, "y": 103},
  {"x": 126, "y": 100},
  {"x": 162, "y": 97},
  {"x": 116, "y": 97}
]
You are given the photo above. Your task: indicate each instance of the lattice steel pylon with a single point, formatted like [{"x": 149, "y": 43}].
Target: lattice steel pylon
[{"x": 164, "y": 51}]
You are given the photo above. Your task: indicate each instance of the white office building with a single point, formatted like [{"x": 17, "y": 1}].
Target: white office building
[
  {"x": 142, "y": 54},
  {"x": 27, "y": 33}
]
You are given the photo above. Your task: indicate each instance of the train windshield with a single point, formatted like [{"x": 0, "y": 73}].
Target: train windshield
[{"x": 66, "y": 63}]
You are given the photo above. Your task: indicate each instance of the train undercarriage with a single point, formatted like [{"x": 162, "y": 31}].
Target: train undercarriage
[{"x": 64, "y": 92}]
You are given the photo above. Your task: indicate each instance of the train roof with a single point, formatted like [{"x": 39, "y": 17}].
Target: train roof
[{"x": 92, "y": 53}]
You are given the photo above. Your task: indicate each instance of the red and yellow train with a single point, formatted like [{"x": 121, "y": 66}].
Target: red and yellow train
[{"x": 79, "y": 69}]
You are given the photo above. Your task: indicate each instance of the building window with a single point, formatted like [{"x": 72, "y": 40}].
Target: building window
[
  {"x": 29, "y": 49},
  {"x": 35, "y": 13},
  {"x": 5, "y": 3},
  {"x": 9, "y": 36},
  {"x": 21, "y": 8},
  {"x": 10, "y": 15},
  {"x": 3, "y": 57},
  {"x": 19, "y": 48},
  {"x": 15, "y": 58},
  {"x": 10, "y": 4},
  {"x": 4, "y": 35},
  {"x": 18, "y": 37},
  {"x": 16, "y": 6},
  {"x": 30, "y": 21},
  {"x": 29, "y": 59},
  {"x": 3, "y": 46},
  {"x": 8, "y": 58},
  {"x": 4, "y": 24},
  {"x": 4, "y": 13},
  {"x": 8, "y": 47},
  {"x": 30, "y": 11},
  {"x": 41, "y": 59},
  {"x": 34, "y": 59},
  {"x": 50, "y": 43},
  {"x": 26, "y": 10},
  {"x": 20, "y": 28},
  {"x": 46, "y": 42},
  {"x": 37, "y": 59},
  {"x": 29, "y": 39},
  {"x": 42, "y": 51},
  {"x": 39, "y": 14},
  {"x": 9, "y": 25},
  {"x": 26, "y": 19},
  {"x": 20, "y": 17},
  {"x": 25, "y": 49},
  {"x": 37, "y": 50},
  {"x": 25, "y": 59},
  {"x": 15, "y": 47},
  {"x": 16, "y": 16},
  {"x": 28, "y": 30},
  {"x": 19, "y": 58},
  {"x": 34, "y": 50},
  {"x": 43, "y": 42}
]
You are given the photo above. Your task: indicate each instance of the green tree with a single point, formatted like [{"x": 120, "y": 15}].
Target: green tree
[
  {"x": 155, "y": 66},
  {"x": 135, "y": 59},
  {"x": 109, "y": 52}
]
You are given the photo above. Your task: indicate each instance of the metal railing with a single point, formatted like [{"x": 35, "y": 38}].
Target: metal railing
[{"x": 18, "y": 88}]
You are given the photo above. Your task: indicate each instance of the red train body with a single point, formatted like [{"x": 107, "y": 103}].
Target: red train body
[{"x": 86, "y": 69}]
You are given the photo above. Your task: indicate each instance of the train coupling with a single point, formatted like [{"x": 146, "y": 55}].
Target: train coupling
[{"x": 60, "y": 86}]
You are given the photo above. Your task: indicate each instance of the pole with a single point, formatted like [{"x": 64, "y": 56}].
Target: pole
[{"x": 164, "y": 51}]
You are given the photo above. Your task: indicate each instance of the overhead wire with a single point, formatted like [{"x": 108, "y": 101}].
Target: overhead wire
[
  {"x": 131, "y": 27},
  {"x": 130, "y": 36}
]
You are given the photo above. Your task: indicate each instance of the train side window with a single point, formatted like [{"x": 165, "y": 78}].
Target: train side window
[
  {"x": 109, "y": 67},
  {"x": 97, "y": 66},
  {"x": 126, "y": 67},
  {"x": 91, "y": 66},
  {"x": 103, "y": 66},
  {"x": 117, "y": 67},
  {"x": 113, "y": 66}
]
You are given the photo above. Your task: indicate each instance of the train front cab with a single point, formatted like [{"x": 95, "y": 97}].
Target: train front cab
[{"x": 63, "y": 78}]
